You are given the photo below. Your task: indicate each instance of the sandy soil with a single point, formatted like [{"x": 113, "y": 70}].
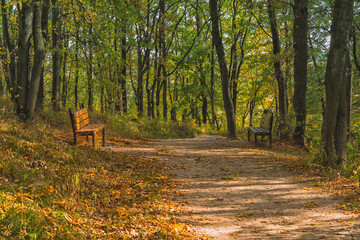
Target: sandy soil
[{"x": 235, "y": 190}]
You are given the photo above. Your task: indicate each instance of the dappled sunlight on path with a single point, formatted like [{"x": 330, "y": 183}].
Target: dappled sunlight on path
[{"x": 233, "y": 190}]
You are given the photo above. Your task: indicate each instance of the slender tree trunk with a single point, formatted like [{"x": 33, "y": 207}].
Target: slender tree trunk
[
  {"x": 279, "y": 73},
  {"x": 348, "y": 99},
  {"x": 11, "y": 49},
  {"x": 90, "y": 79},
  {"x": 64, "y": 79},
  {"x": 201, "y": 71},
  {"x": 174, "y": 98},
  {"x": 163, "y": 58},
  {"x": 300, "y": 68},
  {"x": 5, "y": 69},
  {"x": 76, "y": 91},
  {"x": 212, "y": 87},
  {"x": 334, "y": 82},
  {"x": 102, "y": 100},
  {"x": 118, "y": 77},
  {"x": 140, "y": 79},
  {"x": 39, "y": 58},
  {"x": 228, "y": 104},
  {"x": 151, "y": 107},
  {"x": 5, "y": 66},
  {"x": 123, "y": 68},
  {"x": 56, "y": 35},
  {"x": 158, "y": 89}
]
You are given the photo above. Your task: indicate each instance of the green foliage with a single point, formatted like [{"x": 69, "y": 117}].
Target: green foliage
[{"x": 151, "y": 128}]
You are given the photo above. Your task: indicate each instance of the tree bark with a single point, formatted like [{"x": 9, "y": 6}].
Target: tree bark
[
  {"x": 225, "y": 86},
  {"x": 123, "y": 68},
  {"x": 202, "y": 78},
  {"x": 22, "y": 80},
  {"x": 212, "y": 88},
  {"x": 56, "y": 35},
  {"x": 140, "y": 78},
  {"x": 76, "y": 91},
  {"x": 334, "y": 81},
  {"x": 11, "y": 49},
  {"x": 279, "y": 73},
  {"x": 90, "y": 77},
  {"x": 163, "y": 58},
  {"x": 343, "y": 116},
  {"x": 300, "y": 28},
  {"x": 65, "y": 80},
  {"x": 39, "y": 58},
  {"x": 45, "y": 29}
]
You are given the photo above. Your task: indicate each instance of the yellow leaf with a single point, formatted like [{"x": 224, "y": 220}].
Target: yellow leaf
[{"x": 244, "y": 215}]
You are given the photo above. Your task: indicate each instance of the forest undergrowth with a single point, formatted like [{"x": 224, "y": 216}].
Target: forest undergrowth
[
  {"x": 342, "y": 182},
  {"x": 51, "y": 189}
]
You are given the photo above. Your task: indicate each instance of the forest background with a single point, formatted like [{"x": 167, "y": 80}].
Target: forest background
[
  {"x": 153, "y": 69},
  {"x": 218, "y": 64}
]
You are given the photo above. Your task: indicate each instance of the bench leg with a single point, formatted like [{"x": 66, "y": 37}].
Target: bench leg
[
  {"x": 75, "y": 140},
  {"x": 255, "y": 138},
  {"x": 104, "y": 137},
  {"x": 87, "y": 138},
  {"x": 93, "y": 139},
  {"x": 248, "y": 135}
]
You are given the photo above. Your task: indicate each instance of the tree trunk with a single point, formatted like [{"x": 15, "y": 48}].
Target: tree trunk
[
  {"x": 64, "y": 79},
  {"x": 279, "y": 73},
  {"x": 123, "y": 68},
  {"x": 56, "y": 35},
  {"x": 163, "y": 58},
  {"x": 39, "y": 58},
  {"x": 300, "y": 9},
  {"x": 343, "y": 117},
  {"x": 228, "y": 104},
  {"x": 212, "y": 88},
  {"x": 158, "y": 83},
  {"x": 45, "y": 29},
  {"x": 201, "y": 71},
  {"x": 22, "y": 81},
  {"x": 348, "y": 99},
  {"x": 76, "y": 91},
  {"x": 334, "y": 81},
  {"x": 11, "y": 49},
  {"x": 140, "y": 79},
  {"x": 90, "y": 78},
  {"x": 117, "y": 77}
]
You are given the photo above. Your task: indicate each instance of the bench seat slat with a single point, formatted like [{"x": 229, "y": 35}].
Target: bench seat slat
[
  {"x": 259, "y": 130},
  {"x": 80, "y": 112},
  {"x": 81, "y": 125},
  {"x": 264, "y": 129},
  {"x": 91, "y": 128}
]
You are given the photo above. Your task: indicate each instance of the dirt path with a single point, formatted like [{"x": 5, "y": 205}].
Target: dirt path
[{"x": 233, "y": 190}]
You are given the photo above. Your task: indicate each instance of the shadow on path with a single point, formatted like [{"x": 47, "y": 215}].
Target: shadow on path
[{"x": 232, "y": 190}]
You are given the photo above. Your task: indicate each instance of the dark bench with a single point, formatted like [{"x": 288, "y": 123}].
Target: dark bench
[
  {"x": 264, "y": 129},
  {"x": 81, "y": 126}
]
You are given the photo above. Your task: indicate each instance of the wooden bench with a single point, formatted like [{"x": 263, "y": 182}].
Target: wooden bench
[
  {"x": 264, "y": 129},
  {"x": 81, "y": 126}
]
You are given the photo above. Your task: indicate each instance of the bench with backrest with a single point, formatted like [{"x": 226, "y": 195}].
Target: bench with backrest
[
  {"x": 82, "y": 127},
  {"x": 264, "y": 129}
]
